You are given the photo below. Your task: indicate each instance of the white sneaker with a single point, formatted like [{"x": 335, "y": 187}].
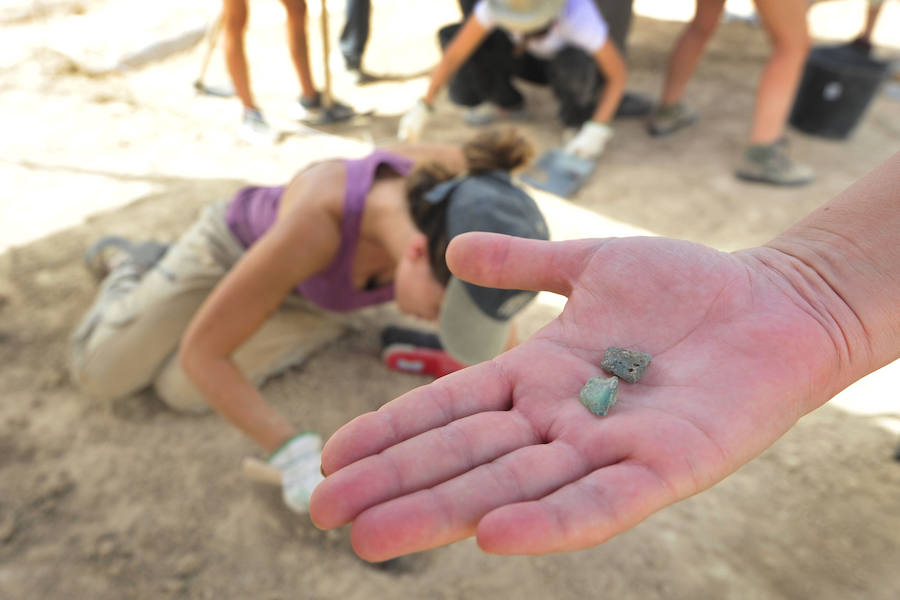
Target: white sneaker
[{"x": 255, "y": 130}]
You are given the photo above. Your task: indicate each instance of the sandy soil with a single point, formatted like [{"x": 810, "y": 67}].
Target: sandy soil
[{"x": 128, "y": 500}]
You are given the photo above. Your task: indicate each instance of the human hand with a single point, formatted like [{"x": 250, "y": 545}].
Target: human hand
[
  {"x": 413, "y": 123},
  {"x": 299, "y": 459},
  {"x": 505, "y": 451},
  {"x": 590, "y": 140}
]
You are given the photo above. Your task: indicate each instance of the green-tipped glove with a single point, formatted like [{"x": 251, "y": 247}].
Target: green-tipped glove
[
  {"x": 413, "y": 123},
  {"x": 300, "y": 461}
]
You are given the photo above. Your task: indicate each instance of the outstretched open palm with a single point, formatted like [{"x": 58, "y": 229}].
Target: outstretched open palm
[{"x": 504, "y": 450}]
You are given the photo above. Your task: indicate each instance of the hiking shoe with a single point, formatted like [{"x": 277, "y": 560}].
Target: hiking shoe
[
  {"x": 255, "y": 130},
  {"x": 308, "y": 108},
  {"x": 313, "y": 110},
  {"x": 771, "y": 164},
  {"x": 488, "y": 112},
  {"x": 335, "y": 113},
  {"x": 111, "y": 251},
  {"x": 633, "y": 105},
  {"x": 669, "y": 119}
]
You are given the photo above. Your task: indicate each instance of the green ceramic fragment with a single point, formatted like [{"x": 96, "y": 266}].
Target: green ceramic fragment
[
  {"x": 627, "y": 364},
  {"x": 599, "y": 394}
]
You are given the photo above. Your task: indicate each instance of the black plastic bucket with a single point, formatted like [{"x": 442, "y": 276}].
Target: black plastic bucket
[{"x": 838, "y": 84}]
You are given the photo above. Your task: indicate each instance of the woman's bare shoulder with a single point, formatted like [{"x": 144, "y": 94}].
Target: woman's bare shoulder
[{"x": 319, "y": 186}]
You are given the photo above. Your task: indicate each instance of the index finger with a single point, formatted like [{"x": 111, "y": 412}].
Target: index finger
[{"x": 480, "y": 388}]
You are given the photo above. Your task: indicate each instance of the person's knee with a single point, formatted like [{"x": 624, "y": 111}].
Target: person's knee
[
  {"x": 98, "y": 378},
  {"x": 235, "y": 26},
  {"x": 234, "y": 19},
  {"x": 705, "y": 23},
  {"x": 574, "y": 77},
  {"x": 177, "y": 391},
  {"x": 794, "y": 45},
  {"x": 295, "y": 8},
  {"x": 572, "y": 63}
]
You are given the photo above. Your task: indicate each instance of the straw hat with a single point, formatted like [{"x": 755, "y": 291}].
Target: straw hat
[{"x": 524, "y": 15}]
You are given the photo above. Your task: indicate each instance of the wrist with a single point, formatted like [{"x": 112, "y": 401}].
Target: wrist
[
  {"x": 599, "y": 126},
  {"x": 832, "y": 287},
  {"x": 426, "y": 104},
  {"x": 851, "y": 244},
  {"x": 802, "y": 326},
  {"x": 295, "y": 445}
]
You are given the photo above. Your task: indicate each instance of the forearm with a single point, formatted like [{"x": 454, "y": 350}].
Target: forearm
[
  {"x": 609, "y": 100},
  {"x": 464, "y": 43},
  {"x": 227, "y": 390},
  {"x": 847, "y": 255},
  {"x": 439, "y": 77},
  {"x": 609, "y": 60}
]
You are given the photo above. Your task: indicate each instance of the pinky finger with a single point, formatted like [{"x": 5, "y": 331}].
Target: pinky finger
[{"x": 580, "y": 515}]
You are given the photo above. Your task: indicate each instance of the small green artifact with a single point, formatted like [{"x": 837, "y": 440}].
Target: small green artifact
[
  {"x": 599, "y": 394},
  {"x": 627, "y": 364}
]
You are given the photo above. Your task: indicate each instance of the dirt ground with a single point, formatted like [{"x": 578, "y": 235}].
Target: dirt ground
[{"x": 126, "y": 500}]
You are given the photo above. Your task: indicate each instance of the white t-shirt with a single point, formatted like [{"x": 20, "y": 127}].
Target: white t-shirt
[{"x": 578, "y": 24}]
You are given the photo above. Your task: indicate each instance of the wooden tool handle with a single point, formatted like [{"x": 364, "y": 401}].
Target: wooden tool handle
[
  {"x": 259, "y": 470},
  {"x": 212, "y": 36}
]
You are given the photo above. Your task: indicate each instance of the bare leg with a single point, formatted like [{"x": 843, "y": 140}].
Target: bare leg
[
  {"x": 235, "y": 24},
  {"x": 785, "y": 22},
  {"x": 689, "y": 49},
  {"x": 872, "y": 13},
  {"x": 298, "y": 44}
]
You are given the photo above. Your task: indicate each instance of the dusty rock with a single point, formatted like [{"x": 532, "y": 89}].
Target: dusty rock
[{"x": 625, "y": 364}]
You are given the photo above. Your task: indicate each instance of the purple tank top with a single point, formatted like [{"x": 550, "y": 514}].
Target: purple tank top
[{"x": 253, "y": 211}]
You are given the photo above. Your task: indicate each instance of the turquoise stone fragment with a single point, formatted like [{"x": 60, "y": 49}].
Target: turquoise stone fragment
[
  {"x": 627, "y": 364},
  {"x": 599, "y": 394}
]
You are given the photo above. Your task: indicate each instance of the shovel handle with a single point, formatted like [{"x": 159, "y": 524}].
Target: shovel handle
[{"x": 258, "y": 470}]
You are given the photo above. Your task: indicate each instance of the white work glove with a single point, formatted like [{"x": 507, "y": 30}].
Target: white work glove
[
  {"x": 590, "y": 140},
  {"x": 300, "y": 461},
  {"x": 413, "y": 122}
]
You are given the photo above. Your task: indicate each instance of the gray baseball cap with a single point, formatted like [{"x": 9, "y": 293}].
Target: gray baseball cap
[{"x": 475, "y": 321}]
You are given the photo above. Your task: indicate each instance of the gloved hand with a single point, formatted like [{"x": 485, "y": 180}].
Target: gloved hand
[
  {"x": 413, "y": 122},
  {"x": 590, "y": 140},
  {"x": 300, "y": 461}
]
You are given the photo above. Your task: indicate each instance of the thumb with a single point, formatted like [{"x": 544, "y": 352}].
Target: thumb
[{"x": 503, "y": 261}]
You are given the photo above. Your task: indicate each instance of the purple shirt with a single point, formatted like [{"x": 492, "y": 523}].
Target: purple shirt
[{"x": 254, "y": 209}]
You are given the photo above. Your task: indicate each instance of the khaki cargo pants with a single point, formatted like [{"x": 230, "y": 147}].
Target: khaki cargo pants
[{"x": 129, "y": 338}]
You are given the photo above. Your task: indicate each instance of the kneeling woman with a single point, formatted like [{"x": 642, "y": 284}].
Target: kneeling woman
[{"x": 264, "y": 279}]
